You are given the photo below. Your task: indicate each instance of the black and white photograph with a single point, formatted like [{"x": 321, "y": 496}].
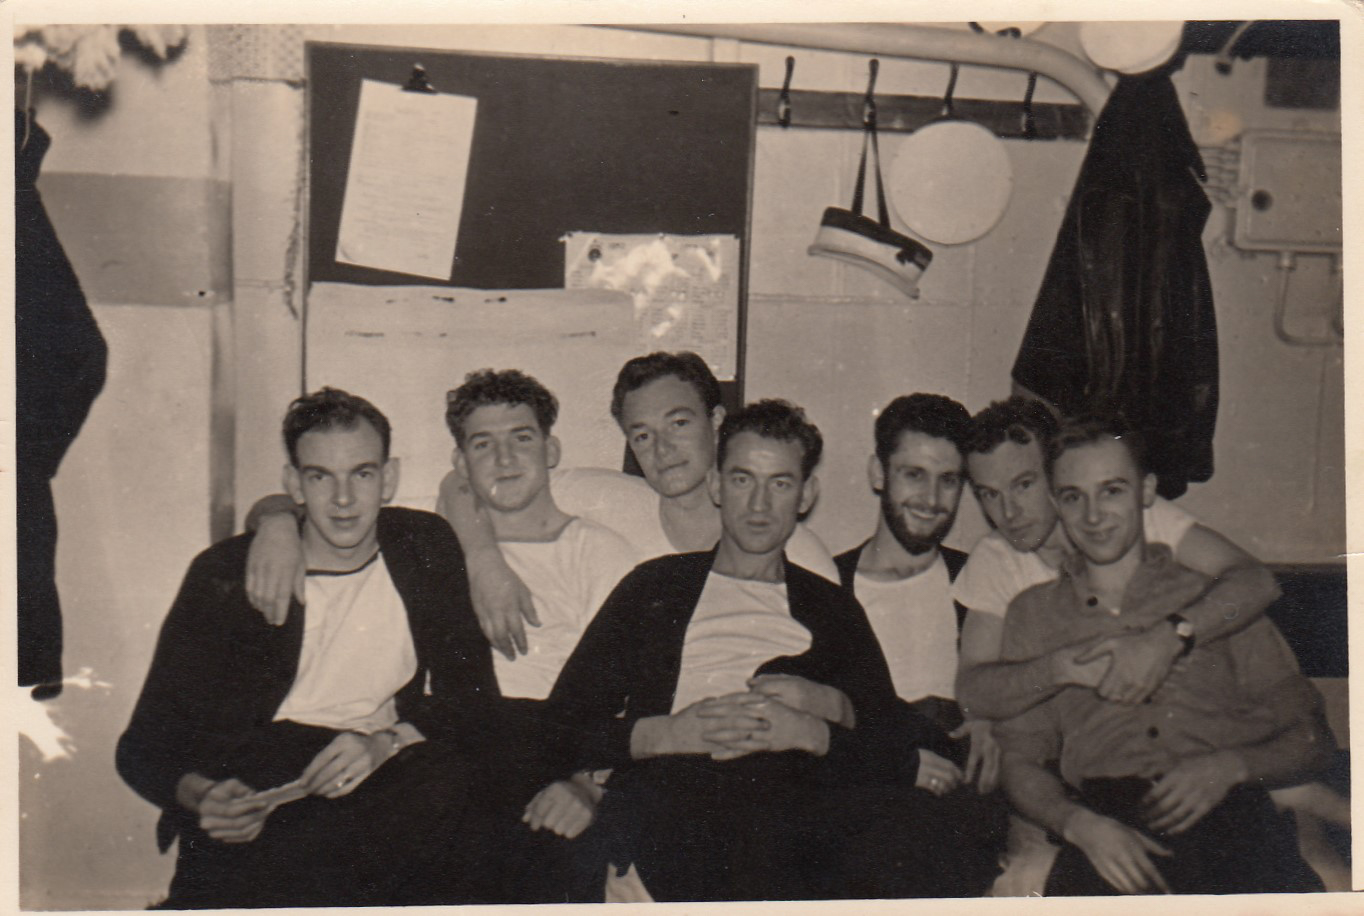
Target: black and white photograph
[{"x": 945, "y": 418}]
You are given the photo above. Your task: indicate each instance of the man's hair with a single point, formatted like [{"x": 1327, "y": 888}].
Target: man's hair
[
  {"x": 931, "y": 414},
  {"x": 486, "y": 388},
  {"x": 331, "y": 408},
  {"x": 1095, "y": 428},
  {"x": 774, "y": 419},
  {"x": 1017, "y": 419},
  {"x": 684, "y": 364}
]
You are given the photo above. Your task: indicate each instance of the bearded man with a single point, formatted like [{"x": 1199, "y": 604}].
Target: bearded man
[{"x": 902, "y": 576}]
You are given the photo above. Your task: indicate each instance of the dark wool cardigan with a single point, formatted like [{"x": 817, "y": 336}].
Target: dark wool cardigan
[{"x": 220, "y": 671}]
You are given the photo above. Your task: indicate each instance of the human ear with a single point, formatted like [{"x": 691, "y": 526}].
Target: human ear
[
  {"x": 1148, "y": 491},
  {"x": 713, "y": 485},
  {"x": 293, "y": 484},
  {"x": 809, "y": 492},
  {"x": 553, "y": 452},
  {"x": 389, "y": 479},
  {"x": 876, "y": 474},
  {"x": 717, "y": 416}
]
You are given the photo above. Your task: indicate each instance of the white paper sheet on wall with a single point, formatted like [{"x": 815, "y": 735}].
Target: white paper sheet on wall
[
  {"x": 405, "y": 186},
  {"x": 685, "y": 288}
]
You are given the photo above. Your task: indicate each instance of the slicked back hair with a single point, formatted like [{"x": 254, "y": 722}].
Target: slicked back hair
[
  {"x": 684, "y": 364},
  {"x": 331, "y": 408},
  {"x": 486, "y": 388},
  {"x": 1017, "y": 419},
  {"x": 774, "y": 419},
  {"x": 931, "y": 414},
  {"x": 1095, "y": 428}
]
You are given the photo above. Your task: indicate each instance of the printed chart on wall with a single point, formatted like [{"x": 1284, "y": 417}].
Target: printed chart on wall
[{"x": 685, "y": 288}]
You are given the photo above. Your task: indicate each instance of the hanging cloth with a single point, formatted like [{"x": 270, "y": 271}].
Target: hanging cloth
[
  {"x": 59, "y": 365},
  {"x": 1124, "y": 320}
]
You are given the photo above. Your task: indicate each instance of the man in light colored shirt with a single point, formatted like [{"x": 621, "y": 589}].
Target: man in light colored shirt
[
  {"x": 1167, "y": 795},
  {"x": 1005, "y": 457},
  {"x": 330, "y": 760},
  {"x": 1005, "y": 460}
]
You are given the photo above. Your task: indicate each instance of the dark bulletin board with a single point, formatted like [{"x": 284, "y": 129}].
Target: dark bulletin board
[{"x": 559, "y": 144}]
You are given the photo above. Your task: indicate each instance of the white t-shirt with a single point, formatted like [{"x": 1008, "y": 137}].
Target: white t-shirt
[
  {"x": 916, "y": 624},
  {"x": 569, "y": 578},
  {"x": 739, "y": 625},
  {"x": 629, "y": 506},
  {"x": 995, "y": 573},
  {"x": 357, "y": 652}
]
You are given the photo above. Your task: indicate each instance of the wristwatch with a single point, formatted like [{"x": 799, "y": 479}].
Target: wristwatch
[{"x": 1184, "y": 629}]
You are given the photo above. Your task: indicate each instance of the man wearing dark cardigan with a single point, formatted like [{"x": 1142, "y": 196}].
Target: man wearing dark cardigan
[
  {"x": 757, "y": 746},
  {"x": 327, "y": 761}
]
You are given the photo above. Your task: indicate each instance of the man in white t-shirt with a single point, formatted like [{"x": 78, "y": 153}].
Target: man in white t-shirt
[
  {"x": 668, "y": 406},
  {"x": 1026, "y": 548},
  {"x": 758, "y": 747},
  {"x": 902, "y": 575},
  {"x": 332, "y": 760},
  {"x": 502, "y": 422}
]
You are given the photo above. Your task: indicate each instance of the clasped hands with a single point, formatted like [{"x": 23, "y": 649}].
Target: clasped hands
[{"x": 777, "y": 713}]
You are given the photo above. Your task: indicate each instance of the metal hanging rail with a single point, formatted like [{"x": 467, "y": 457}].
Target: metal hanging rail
[{"x": 919, "y": 43}]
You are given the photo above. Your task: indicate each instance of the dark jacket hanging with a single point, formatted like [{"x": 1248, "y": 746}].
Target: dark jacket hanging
[
  {"x": 59, "y": 363},
  {"x": 1124, "y": 320}
]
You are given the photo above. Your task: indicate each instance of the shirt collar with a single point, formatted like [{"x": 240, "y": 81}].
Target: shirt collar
[{"x": 1159, "y": 558}]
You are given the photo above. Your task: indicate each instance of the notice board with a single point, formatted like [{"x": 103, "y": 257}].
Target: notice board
[{"x": 560, "y": 146}]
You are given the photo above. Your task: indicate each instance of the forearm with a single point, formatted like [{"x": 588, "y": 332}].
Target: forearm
[
  {"x": 652, "y": 737},
  {"x": 1001, "y": 690},
  {"x": 469, "y": 520},
  {"x": 1037, "y": 793},
  {"x": 1294, "y": 755},
  {"x": 274, "y": 504},
  {"x": 1239, "y": 597}
]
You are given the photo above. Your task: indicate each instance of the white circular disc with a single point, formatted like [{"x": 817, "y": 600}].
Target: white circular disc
[
  {"x": 1130, "y": 47},
  {"x": 950, "y": 182}
]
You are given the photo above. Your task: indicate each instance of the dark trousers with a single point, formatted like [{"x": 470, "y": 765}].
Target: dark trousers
[
  {"x": 397, "y": 839},
  {"x": 1242, "y": 846},
  {"x": 897, "y": 842},
  {"x": 40, "y": 612},
  {"x": 516, "y": 864},
  {"x": 778, "y": 827}
]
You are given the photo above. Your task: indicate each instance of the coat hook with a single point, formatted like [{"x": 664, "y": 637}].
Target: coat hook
[
  {"x": 869, "y": 104},
  {"x": 418, "y": 82},
  {"x": 1029, "y": 128},
  {"x": 1222, "y": 62},
  {"x": 951, "y": 87},
  {"x": 784, "y": 100}
]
